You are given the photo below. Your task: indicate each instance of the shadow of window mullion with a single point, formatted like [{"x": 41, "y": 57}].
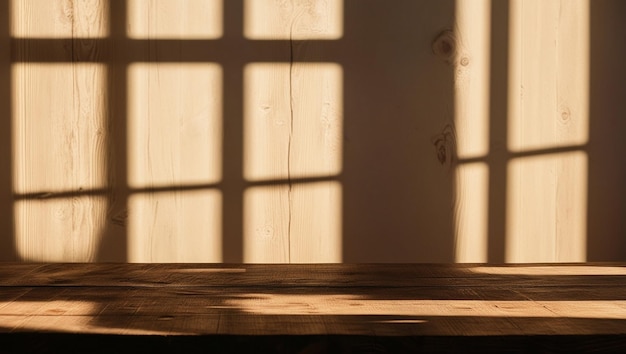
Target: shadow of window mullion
[
  {"x": 233, "y": 42},
  {"x": 498, "y": 126},
  {"x": 114, "y": 238}
]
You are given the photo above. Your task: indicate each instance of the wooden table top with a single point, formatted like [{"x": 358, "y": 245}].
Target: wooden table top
[{"x": 320, "y": 299}]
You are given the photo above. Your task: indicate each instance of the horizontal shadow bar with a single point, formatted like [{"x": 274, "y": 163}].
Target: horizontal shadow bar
[
  {"x": 45, "y": 50},
  {"x": 529, "y": 153},
  {"x": 43, "y": 195}
]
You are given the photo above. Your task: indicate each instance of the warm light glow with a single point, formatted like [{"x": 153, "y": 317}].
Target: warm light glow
[
  {"x": 547, "y": 208},
  {"x": 293, "y": 119},
  {"x": 174, "y": 124},
  {"x": 175, "y": 19},
  {"x": 350, "y": 305},
  {"x": 471, "y": 81},
  {"x": 471, "y": 215},
  {"x": 59, "y": 18},
  {"x": 300, "y": 223},
  {"x": 272, "y": 19},
  {"x": 548, "y": 74},
  {"x": 551, "y": 270},
  {"x": 182, "y": 227}
]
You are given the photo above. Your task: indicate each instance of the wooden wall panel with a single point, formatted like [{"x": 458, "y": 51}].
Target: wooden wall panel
[{"x": 311, "y": 131}]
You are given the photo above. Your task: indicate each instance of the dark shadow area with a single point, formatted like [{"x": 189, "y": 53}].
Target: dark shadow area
[
  {"x": 7, "y": 242},
  {"x": 398, "y": 96},
  {"x": 498, "y": 128},
  {"x": 606, "y": 211},
  {"x": 75, "y": 343},
  {"x": 114, "y": 239}
]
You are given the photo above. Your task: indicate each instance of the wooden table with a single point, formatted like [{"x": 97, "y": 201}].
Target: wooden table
[{"x": 313, "y": 308}]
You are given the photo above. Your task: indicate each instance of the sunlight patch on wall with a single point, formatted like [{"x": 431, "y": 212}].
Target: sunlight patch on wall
[
  {"x": 59, "y": 230},
  {"x": 275, "y": 19},
  {"x": 59, "y": 127},
  {"x": 471, "y": 121},
  {"x": 293, "y": 120},
  {"x": 175, "y": 226},
  {"x": 548, "y": 74},
  {"x": 175, "y": 19},
  {"x": 174, "y": 124},
  {"x": 300, "y": 223},
  {"x": 175, "y": 140},
  {"x": 547, "y": 208},
  {"x": 59, "y": 18},
  {"x": 471, "y": 77}
]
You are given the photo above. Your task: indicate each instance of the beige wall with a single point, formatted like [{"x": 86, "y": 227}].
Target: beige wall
[{"x": 312, "y": 131}]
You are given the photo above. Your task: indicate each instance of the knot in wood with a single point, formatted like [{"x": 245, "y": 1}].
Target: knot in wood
[
  {"x": 445, "y": 46},
  {"x": 445, "y": 145},
  {"x": 565, "y": 114}
]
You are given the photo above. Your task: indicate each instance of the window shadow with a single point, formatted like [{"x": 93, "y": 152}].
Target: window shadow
[
  {"x": 397, "y": 96},
  {"x": 397, "y": 178}
]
